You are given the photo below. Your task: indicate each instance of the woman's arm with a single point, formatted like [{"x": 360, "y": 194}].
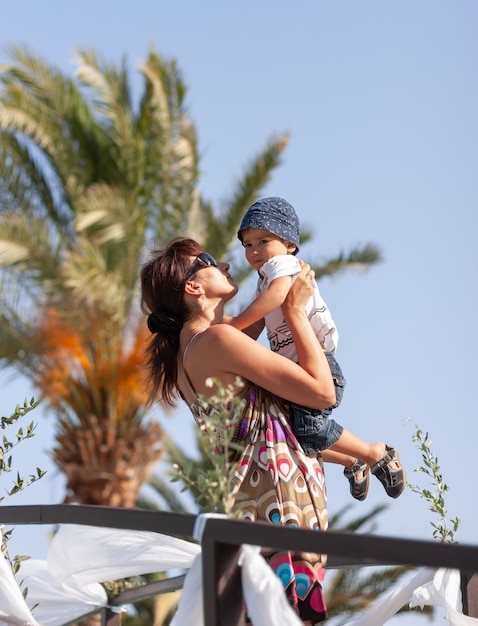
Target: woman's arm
[{"x": 236, "y": 354}]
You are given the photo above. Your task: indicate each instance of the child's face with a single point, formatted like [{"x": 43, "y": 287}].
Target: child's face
[{"x": 261, "y": 245}]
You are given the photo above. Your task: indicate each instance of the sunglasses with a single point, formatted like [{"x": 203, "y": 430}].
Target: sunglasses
[{"x": 202, "y": 260}]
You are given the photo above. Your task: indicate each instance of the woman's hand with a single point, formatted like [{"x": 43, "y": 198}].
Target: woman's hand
[
  {"x": 310, "y": 355},
  {"x": 301, "y": 290}
]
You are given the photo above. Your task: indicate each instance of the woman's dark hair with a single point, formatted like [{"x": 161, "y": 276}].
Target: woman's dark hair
[{"x": 162, "y": 299}]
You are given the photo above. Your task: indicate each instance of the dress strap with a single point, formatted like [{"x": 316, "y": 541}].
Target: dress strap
[{"x": 186, "y": 375}]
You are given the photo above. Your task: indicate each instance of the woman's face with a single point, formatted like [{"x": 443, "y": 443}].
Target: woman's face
[{"x": 213, "y": 275}]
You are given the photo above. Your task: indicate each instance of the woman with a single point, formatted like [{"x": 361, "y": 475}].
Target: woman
[{"x": 184, "y": 291}]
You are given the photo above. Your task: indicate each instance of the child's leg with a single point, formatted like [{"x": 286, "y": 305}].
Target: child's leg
[
  {"x": 383, "y": 461},
  {"x": 352, "y": 446},
  {"x": 332, "y": 456}
]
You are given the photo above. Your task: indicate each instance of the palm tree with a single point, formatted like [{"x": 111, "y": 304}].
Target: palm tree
[
  {"x": 89, "y": 179},
  {"x": 87, "y": 182}
]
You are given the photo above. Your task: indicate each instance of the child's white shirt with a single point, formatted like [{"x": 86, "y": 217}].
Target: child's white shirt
[{"x": 278, "y": 333}]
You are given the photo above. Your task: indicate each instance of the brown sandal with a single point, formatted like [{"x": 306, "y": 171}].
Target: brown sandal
[
  {"x": 393, "y": 480},
  {"x": 358, "y": 486}
]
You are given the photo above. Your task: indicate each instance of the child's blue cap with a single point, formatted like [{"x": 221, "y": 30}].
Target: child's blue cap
[{"x": 276, "y": 216}]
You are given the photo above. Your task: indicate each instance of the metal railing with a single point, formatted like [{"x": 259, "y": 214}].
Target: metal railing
[{"x": 221, "y": 541}]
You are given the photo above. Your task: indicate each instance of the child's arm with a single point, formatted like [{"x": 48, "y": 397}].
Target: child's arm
[
  {"x": 265, "y": 302},
  {"x": 254, "y": 330}
]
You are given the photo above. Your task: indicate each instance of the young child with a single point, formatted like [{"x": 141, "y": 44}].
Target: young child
[{"x": 270, "y": 233}]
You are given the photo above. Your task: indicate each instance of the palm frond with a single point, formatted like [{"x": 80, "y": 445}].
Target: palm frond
[
  {"x": 165, "y": 492},
  {"x": 29, "y": 263},
  {"x": 24, "y": 182},
  {"x": 222, "y": 229},
  {"x": 360, "y": 258}
]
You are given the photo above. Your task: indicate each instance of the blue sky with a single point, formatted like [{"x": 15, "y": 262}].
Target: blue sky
[{"x": 380, "y": 100}]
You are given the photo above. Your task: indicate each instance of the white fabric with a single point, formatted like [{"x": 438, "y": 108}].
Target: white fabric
[
  {"x": 13, "y": 608},
  {"x": 67, "y": 585},
  {"x": 80, "y": 555},
  {"x": 392, "y": 601},
  {"x": 264, "y": 595},
  {"x": 190, "y": 605},
  {"x": 57, "y": 604},
  {"x": 266, "y": 602},
  {"x": 427, "y": 587},
  {"x": 278, "y": 333},
  {"x": 444, "y": 590}
]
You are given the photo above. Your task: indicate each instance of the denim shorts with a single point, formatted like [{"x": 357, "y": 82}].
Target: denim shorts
[{"x": 313, "y": 428}]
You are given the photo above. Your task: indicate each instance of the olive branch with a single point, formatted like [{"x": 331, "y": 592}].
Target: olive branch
[
  {"x": 214, "y": 482},
  {"x": 435, "y": 497},
  {"x": 7, "y": 445}
]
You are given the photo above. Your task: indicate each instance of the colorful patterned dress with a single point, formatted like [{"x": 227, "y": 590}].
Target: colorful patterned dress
[{"x": 278, "y": 483}]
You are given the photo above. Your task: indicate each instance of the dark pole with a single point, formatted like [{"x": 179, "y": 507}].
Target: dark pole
[
  {"x": 108, "y": 618},
  {"x": 469, "y": 593}
]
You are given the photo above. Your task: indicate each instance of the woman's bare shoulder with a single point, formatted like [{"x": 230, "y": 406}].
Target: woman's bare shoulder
[
  {"x": 219, "y": 334},
  {"x": 227, "y": 340}
]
